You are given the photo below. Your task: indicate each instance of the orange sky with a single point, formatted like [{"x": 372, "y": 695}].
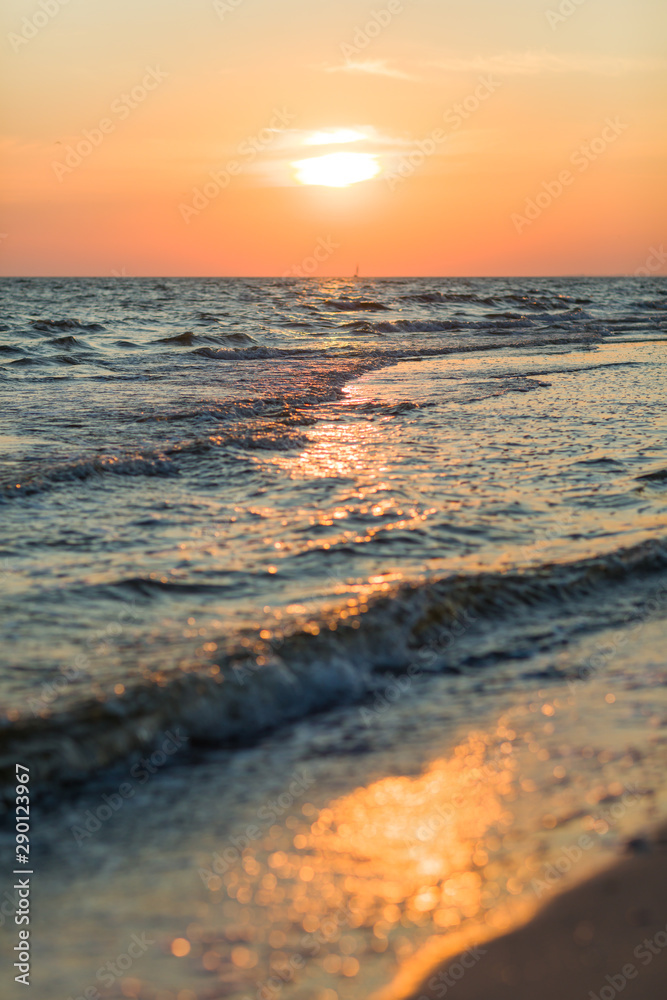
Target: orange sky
[{"x": 523, "y": 137}]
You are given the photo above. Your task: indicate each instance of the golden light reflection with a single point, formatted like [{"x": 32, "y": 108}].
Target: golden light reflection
[
  {"x": 416, "y": 866},
  {"x": 418, "y": 846},
  {"x": 338, "y": 451}
]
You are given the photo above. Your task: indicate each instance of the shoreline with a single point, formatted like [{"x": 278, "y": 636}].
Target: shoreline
[
  {"x": 603, "y": 937},
  {"x": 482, "y": 771},
  {"x": 395, "y": 660},
  {"x": 226, "y": 701}
]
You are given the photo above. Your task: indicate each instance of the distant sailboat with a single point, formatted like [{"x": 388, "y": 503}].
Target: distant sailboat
[{"x": 356, "y": 273}]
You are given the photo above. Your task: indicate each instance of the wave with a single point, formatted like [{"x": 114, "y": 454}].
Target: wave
[
  {"x": 659, "y": 305},
  {"x": 69, "y": 341},
  {"x": 182, "y": 339},
  {"x": 659, "y": 476},
  {"x": 544, "y": 304},
  {"x": 252, "y": 685},
  {"x": 361, "y": 326},
  {"x": 234, "y": 354},
  {"x": 40, "y": 362},
  {"x": 465, "y": 298},
  {"x": 420, "y": 325},
  {"x": 66, "y": 341},
  {"x": 426, "y": 298},
  {"x": 379, "y": 357},
  {"x": 353, "y": 305},
  {"x": 449, "y": 325},
  {"x": 55, "y": 325},
  {"x": 44, "y": 361},
  {"x": 536, "y": 303},
  {"x": 84, "y": 468},
  {"x": 205, "y": 317},
  {"x": 189, "y": 338},
  {"x": 272, "y": 436}
]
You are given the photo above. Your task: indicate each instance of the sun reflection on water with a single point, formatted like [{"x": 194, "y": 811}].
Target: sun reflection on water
[
  {"x": 384, "y": 869},
  {"x": 415, "y": 848},
  {"x": 339, "y": 451}
]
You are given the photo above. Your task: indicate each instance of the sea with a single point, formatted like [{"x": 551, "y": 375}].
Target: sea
[{"x": 356, "y": 586}]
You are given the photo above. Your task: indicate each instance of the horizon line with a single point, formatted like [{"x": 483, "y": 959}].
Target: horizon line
[{"x": 313, "y": 277}]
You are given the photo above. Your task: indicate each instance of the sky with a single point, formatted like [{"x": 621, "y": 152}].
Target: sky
[{"x": 309, "y": 137}]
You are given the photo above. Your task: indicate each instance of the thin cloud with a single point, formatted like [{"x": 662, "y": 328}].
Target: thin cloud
[
  {"x": 507, "y": 64},
  {"x": 376, "y": 67},
  {"x": 533, "y": 63}
]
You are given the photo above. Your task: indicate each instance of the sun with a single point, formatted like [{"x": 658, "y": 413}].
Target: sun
[{"x": 337, "y": 169}]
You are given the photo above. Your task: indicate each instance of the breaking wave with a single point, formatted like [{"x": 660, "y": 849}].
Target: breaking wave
[{"x": 245, "y": 689}]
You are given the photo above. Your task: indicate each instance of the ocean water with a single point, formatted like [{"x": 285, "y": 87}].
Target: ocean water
[
  {"x": 364, "y": 527},
  {"x": 190, "y": 467}
]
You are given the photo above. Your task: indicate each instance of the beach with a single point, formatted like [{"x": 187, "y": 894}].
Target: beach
[
  {"x": 617, "y": 921},
  {"x": 345, "y": 609}
]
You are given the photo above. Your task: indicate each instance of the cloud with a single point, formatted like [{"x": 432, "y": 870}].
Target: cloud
[
  {"x": 507, "y": 64},
  {"x": 376, "y": 67},
  {"x": 533, "y": 63}
]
